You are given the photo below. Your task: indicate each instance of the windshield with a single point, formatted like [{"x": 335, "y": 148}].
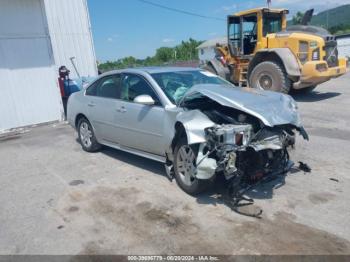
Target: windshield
[{"x": 176, "y": 84}]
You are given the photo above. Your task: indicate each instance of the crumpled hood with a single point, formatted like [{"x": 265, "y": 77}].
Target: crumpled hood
[{"x": 271, "y": 108}]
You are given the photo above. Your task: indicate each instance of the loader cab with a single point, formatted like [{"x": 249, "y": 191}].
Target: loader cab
[
  {"x": 273, "y": 22},
  {"x": 242, "y": 34},
  {"x": 247, "y": 30}
]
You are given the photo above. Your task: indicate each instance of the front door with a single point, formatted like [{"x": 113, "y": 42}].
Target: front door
[
  {"x": 143, "y": 124},
  {"x": 250, "y": 35}
]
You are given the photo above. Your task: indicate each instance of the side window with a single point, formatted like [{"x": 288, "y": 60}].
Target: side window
[
  {"x": 234, "y": 32},
  {"x": 92, "y": 89},
  {"x": 249, "y": 34},
  {"x": 109, "y": 87},
  {"x": 134, "y": 85}
]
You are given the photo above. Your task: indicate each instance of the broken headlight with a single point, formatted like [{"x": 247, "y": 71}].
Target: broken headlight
[{"x": 236, "y": 135}]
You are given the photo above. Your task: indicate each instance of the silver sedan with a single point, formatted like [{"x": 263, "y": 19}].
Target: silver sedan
[{"x": 195, "y": 122}]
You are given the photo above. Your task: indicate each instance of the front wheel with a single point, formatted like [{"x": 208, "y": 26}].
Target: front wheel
[
  {"x": 270, "y": 76},
  {"x": 185, "y": 168}
]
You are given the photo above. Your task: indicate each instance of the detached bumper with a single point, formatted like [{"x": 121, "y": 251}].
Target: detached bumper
[{"x": 315, "y": 72}]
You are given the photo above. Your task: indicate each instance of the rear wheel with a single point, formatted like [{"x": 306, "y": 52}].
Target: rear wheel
[
  {"x": 185, "y": 168},
  {"x": 86, "y": 136},
  {"x": 270, "y": 76}
]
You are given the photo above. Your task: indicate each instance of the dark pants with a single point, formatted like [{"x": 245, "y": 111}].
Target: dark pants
[{"x": 64, "y": 102}]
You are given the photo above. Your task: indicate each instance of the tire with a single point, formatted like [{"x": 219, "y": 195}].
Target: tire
[
  {"x": 193, "y": 186},
  {"x": 210, "y": 68},
  {"x": 86, "y": 136},
  {"x": 304, "y": 90},
  {"x": 270, "y": 76}
]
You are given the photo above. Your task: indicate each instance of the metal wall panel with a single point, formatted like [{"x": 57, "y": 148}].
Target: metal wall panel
[
  {"x": 70, "y": 32},
  {"x": 28, "y": 86}
]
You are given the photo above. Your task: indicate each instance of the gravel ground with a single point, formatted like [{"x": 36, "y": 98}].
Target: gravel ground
[{"x": 57, "y": 199}]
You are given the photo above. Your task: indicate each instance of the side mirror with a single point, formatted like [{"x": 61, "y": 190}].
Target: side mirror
[{"x": 144, "y": 100}]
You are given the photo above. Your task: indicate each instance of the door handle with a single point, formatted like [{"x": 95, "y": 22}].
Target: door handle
[
  {"x": 122, "y": 109},
  {"x": 91, "y": 104}
]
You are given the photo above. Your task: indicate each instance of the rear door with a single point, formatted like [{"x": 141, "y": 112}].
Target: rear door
[
  {"x": 103, "y": 98},
  {"x": 143, "y": 124}
]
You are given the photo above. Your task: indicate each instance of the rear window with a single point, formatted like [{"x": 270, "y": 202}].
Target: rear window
[{"x": 272, "y": 23}]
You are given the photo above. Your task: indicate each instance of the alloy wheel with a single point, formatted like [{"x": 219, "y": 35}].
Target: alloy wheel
[
  {"x": 85, "y": 134},
  {"x": 186, "y": 165}
]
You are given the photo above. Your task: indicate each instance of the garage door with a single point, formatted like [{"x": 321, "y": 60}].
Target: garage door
[{"x": 29, "y": 92}]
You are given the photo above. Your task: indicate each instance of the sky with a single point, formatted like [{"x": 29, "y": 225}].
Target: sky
[{"x": 133, "y": 28}]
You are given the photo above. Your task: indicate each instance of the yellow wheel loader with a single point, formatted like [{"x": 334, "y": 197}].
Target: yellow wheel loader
[{"x": 263, "y": 53}]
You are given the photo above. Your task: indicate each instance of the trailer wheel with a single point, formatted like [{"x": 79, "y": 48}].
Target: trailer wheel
[{"x": 270, "y": 76}]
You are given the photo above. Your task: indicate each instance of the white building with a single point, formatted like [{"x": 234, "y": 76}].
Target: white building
[
  {"x": 37, "y": 37},
  {"x": 206, "y": 49},
  {"x": 343, "y": 45}
]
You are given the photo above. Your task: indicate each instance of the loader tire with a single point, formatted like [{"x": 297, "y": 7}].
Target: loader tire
[{"x": 270, "y": 76}]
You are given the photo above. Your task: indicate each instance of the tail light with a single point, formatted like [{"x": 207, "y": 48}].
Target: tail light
[
  {"x": 303, "y": 51},
  {"x": 316, "y": 54}
]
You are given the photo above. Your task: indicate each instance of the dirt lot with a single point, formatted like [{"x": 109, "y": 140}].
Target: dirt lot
[{"x": 57, "y": 199}]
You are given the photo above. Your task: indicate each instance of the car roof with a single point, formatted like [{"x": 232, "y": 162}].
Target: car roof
[{"x": 153, "y": 70}]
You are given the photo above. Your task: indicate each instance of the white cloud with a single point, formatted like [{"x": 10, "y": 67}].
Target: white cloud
[
  {"x": 168, "y": 40},
  {"x": 112, "y": 38},
  {"x": 213, "y": 34},
  {"x": 227, "y": 9}
]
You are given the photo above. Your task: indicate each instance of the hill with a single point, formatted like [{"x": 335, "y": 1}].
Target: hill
[
  {"x": 336, "y": 17},
  {"x": 336, "y": 20}
]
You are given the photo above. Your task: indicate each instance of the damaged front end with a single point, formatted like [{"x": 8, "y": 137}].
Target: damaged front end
[
  {"x": 245, "y": 148},
  {"x": 237, "y": 150},
  {"x": 245, "y": 158}
]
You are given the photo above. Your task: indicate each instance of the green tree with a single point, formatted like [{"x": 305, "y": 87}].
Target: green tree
[
  {"x": 339, "y": 29},
  {"x": 164, "y": 54},
  {"x": 297, "y": 18},
  {"x": 183, "y": 52}
]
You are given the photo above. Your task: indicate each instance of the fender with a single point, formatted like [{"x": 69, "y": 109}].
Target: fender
[
  {"x": 194, "y": 122},
  {"x": 287, "y": 57}
]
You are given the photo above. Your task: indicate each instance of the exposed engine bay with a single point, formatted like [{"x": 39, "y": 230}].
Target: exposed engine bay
[{"x": 242, "y": 148}]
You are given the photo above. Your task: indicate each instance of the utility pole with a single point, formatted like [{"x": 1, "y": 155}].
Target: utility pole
[
  {"x": 268, "y": 3},
  {"x": 327, "y": 16}
]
